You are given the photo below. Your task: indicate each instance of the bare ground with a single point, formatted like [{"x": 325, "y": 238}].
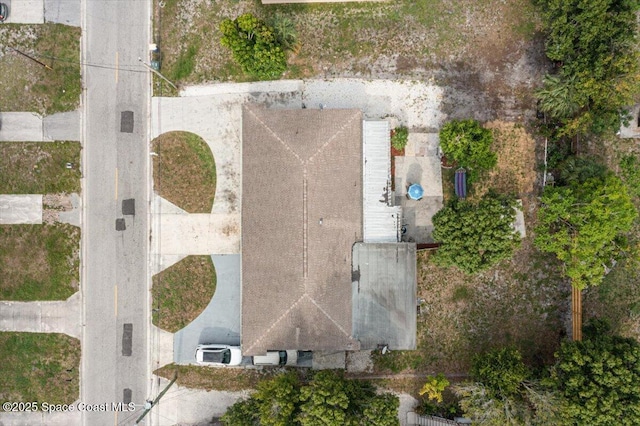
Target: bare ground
[{"x": 487, "y": 54}]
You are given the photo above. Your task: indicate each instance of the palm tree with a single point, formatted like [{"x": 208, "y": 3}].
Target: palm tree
[
  {"x": 285, "y": 30},
  {"x": 559, "y": 97}
]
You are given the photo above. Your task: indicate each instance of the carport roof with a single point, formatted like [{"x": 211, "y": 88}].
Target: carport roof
[
  {"x": 384, "y": 295},
  {"x": 301, "y": 215}
]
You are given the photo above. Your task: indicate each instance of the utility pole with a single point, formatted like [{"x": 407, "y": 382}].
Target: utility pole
[
  {"x": 157, "y": 73},
  {"x": 149, "y": 405},
  {"x": 32, "y": 58}
]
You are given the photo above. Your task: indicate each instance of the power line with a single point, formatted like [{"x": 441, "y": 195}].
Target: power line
[
  {"x": 32, "y": 58},
  {"x": 33, "y": 55}
]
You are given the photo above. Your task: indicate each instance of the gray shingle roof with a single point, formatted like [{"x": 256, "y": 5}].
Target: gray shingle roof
[{"x": 301, "y": 214}]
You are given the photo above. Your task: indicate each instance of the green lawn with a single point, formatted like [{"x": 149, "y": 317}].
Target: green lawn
[
  {"x": 184, "y": 171},
  {"x": 39, "y": 262},
  {"x": 32, "y": 87},
  {"x": 182, "y": 291},
  {"x": 39, "y": 167},
  {"x": 42, "y": 367}
]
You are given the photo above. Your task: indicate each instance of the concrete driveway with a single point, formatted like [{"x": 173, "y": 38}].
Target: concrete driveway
[
  {"x": 220, "y": 321},
  {"x": 59, "y": 316},
  {"x": 40, "y": 11},
  {"x": 20, "y": 208},
  {"x": 31, "y": 127}
]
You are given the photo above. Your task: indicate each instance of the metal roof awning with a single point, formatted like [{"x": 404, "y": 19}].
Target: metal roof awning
[{"x": 380, "y": 218}]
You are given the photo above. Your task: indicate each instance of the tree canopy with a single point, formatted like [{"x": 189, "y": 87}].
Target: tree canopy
[
  {"x": 475, "y": 236},
  {"x": 255, "y": 46},
  {"x": 501, "y": 371},
  {"x": 583, "y": 224},
  {"x": 599, "y": 378},
  {"x": 594, "y": 44},
  {"x": 327, "y": 399},
  {"x": 468, "y": 144},
  {"x": 504, "y": 394}
]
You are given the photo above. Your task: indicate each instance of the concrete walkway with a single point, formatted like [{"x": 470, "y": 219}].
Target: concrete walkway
[
  {"x": 177, "y": 234},
  {"x": 43, "y": 317},
  {"x": 415, "y": 104},
  {"x": 31, "y": 127},
  {"x": 20, "y": 209},
  {"x": 200, "y": 234},
  {"x": 41, "y": 419},
  {"x": 162, "y": 342},
  {"x": 72, "y": 216},
  {"x": 62, "y": 12},
  {"x": 420, "y": 164}
]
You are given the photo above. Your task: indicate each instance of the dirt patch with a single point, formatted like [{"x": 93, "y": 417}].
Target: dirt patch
[
  {"x": 231, "y": 199},
  {"x": 359, "y": 362},
  {"x": 182, "y": 291},
  {"x": 52, "y": 205},
  {"x": 184, "y": 171},
  {"x": 213, "y": 378},
  {"x": 230, "y": 230},
  {"x": 489, "y": 54},
  {"x": 515, "y": 171},
  {"x": 394, "y": 153},
  {"x": 39, "y": 262}
]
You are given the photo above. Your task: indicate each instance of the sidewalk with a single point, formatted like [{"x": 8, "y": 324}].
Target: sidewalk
[{"x": 41, "y": 419}]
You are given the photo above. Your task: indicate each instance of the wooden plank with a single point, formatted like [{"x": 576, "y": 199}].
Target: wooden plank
[{"x": 576, "y": 313}]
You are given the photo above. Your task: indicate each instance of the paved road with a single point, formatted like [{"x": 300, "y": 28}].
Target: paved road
[{"x": 116, "y": 168}]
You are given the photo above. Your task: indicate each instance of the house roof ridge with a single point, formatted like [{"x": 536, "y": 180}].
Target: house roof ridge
[
  {"x": 329, "y": 317},
  {"x": 356, "y": 114},
  {"x": 275, "y": 136},
  {"x": 272, "y": 326}
]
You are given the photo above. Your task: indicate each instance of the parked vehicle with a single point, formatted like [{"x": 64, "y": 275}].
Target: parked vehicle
[
  {"x": 281, "y": 358},
  {"x": 4, "y": 12},
  {"x": 218, "y": 355}
]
